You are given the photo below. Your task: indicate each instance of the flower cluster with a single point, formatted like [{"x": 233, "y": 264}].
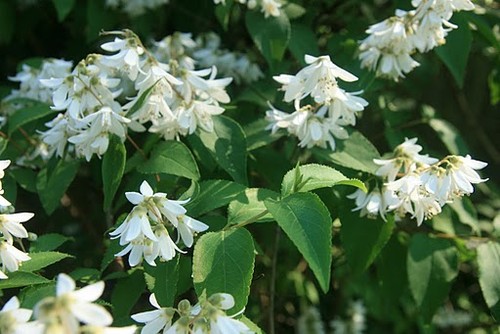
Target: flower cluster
[
  {"x": 332, "y": 108},
  {"x": 267, "y": 7},
  {"x": 391, "y": 43},
  {"x": 10, "y": 228},
  {"x": 145, "y": 231},
  {"x": 208, "y": 316},
  {"x": 70, "y": 311},
  {"x": 356, "y": 321},
  {"x": 135, "y": 7},
  {"x": 418, "y": 184}
]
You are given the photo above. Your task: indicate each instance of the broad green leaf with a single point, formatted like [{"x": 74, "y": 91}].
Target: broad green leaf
[
  {"x": 293, "y": 10},
  {"x": 306, "y": 221},
  {"x": 391, "y": 270},
  {"x": 314, "y": 176},
  {"x": 125, "y": 294},
  {"x": 227, "y": 143},
  {"x": 488, "y": 259},
  {"x": 363, "y": 238},
  {"x": 63, "y": 8},
  {"x": 258, "y": 136},
  {"x": 87, "y": 275},
  {"x": 25, "y": 177},
  {"x": 31, "y": 295},
  {"x": 250, "y": 204},
  {"x": 28, "y": 114},
  {"x": 223, "y": 262},
  {"x": 223, "y": 13},
  {"x": 432, "y": 265},
  {"x": 165, "y": 278},
  {"x": 113, "y": 165},
  {"x": 171, "y": 157},
  {"x": 48, "y": 242},
  {"x": 455, "y": 52},
  {"x": 450, "y": 136},
  {"x": 109, "y": 255},
  {"x": 270, "y": 35},
  {"x": 20, "y": 278},
  {"x": 3, "y": 144},
  {"x": 99, "y": 18},
  {"x": 51, "y": 185},
  {"x": 213, "y": 194},
  {"x": 303, "y": 41},
  {"x": 42, "y": 260},
  {"x": 356, "y": 152},
  {"x": 10, "y": 188},
  {"x": 467, "y": 214}
]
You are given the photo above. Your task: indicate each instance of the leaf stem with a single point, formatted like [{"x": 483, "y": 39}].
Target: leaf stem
[{"x": 248, "y": 221}]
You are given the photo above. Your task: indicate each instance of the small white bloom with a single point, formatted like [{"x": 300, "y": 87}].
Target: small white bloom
[
  {"x": 12, "y": 317},
  {"x": 11, "y": 257},
  {"x": 271, "y": 8},
  {"x": 10, "y": 225},
  {"x": 157, "y": 320}
]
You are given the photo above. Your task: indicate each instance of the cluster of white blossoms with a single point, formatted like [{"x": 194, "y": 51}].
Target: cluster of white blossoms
[
  {"x": 145, "y": 232},
  {"x": 135, "y": 7},
  {"x": 208, "y": 316},
  {"x": 391, "y": 43},
  {"x": 70, "y": 311},
  {"x": 267, "y": 7},
  {"x": 418, "y": 184},
  {"x": 310, "y": 322},
  {"x": 332, "y": 108},
  {"x": 355, "y": 323},
  {"x": 10, "y": 228}
]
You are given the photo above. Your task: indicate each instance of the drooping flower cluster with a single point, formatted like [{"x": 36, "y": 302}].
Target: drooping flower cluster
[
  {"x": 310, "y": 322},
  {"x": 208, "y": 316},
  {"x": 418, "y": 184},
  {"x": 70, "y": 311},
  {"x": 136, "y": 7},
  {"x": 10, "y": 228},
  {"x": 146, "y": 230},
  {"x": 391, "y": 43},
  {"x": 332, "y": 108},
  {"x": 267, "y": 7},
  {"x": 355, "y": 323}
]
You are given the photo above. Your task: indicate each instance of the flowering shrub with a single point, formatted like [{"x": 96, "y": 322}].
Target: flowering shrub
[{"x": 214, "y": 166}]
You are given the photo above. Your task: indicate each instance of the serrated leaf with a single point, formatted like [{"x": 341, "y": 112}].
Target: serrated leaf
[
  {"x": 166, "y": 277},
  {"x": 42, "y": 259},
  {"x": 227, "y": 143},
  {"x": 488, "y": 259},
  {"x": 271, "y": 35},
  {"x": 363, "y": 238},
  {"x": 63, "y": 8},
  {"x": 223, "y": 262},
  {"x": 171, "y": 157},
  {"x": 250, "y": 204},
  {"x": 356, "y": 152},
  {"x": 315, "y": 176},
  {"x": 48, "y": 242},
  {"x": 213, "y": 194},
  {"x": 306, "y": 221},
  {"x": 31, "y": 295},
  {"x": 125, "y": 294},
  {"x": 432, "y": 265},
  {"x": 20, "y": 278},
  {"x": 51, "y": 185},
  {"x": 455, "y": 52},
  {"x": 113, "y": 166},
  {"x": 28, "y": 114}
]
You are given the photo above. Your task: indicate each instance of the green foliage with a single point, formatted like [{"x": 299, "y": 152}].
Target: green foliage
[
  {"x": 113, "y": 166},
  {"x": 488, "y": 258}
]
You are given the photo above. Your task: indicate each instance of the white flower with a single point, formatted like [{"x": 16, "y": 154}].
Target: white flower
[
  {"x": 11, "y": 257},
  {"x": 220, "y": 323},
  {"x": 271, "y": 8},
  {"x": 10, "y": 225},
  {"x": 140, "y": 248},
  {"x": 462, "y": 174},
  {"x": 127, "y": 57},
  {"x": 92, "y": 329},
  {"x": 12, "y": 317},
  {"x": 3, "y": 165},
  {"x": 70, "y": 306},
  {"x": 157, "y": 320},
  {"x": 187, "y": 227},
  {"x": 165, "y": 247}
]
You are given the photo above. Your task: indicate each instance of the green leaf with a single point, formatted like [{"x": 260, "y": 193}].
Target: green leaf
[
  {"x": 31, "y": 295},
  {"x": 171, "y": 157},
  {"x": 432, "y": 265},
  {"x": 227, "y": 143},
  {"x": 251, "y": 325},
  {"x": 363, "y": 238},
  {"x": 314, "y": 176},
  {"x": 109, "y": 255},
  {"x": 42, "y": 260},
  {"x": 51, "y": 185},
  {"x": 20, "y": 278},
  {"x": 213, "y": 194},
  {"x": 455, "y": 53},
  {"x": 25, "y": 177},
  {"x": 3, "y": 144},
  {"x": 126, "y": 293},
  {"x": 113, "y": 166},
  {"x": 223, "y": 13},
  {"x": 258, "y": 136},
  {"x": 250, "y": 204},
  {"x": 293, "y": 10},
  {"x": 29, "y": 114},
  {"x": 450, "y": 136},
  {"x": 223, "y": 262},
  {"x": 63, "y": 8},
  {"x": 306, "y": 221},
  {"x": 270, "y": 35},
  {"x": 165, "y": 278},
  {"x": 488, "y": 259},
  {"x": 48, "y": 242},
  {"x": 356, "y": 152},
  {"x": 302, "y": 42}
]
